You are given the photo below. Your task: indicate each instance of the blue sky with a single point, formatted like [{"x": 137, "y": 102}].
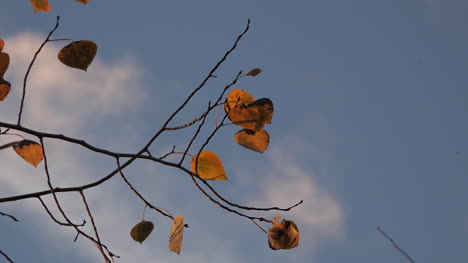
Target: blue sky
[{"x": 369, "y": 127}]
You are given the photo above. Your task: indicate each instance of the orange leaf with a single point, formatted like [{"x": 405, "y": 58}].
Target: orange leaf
[
  {"x": 237, "y": 98},
  {"x": 78, "y": 54},
  {"x": 209, "y": 166},
  {"x": 256, "y": 141},
  {"x": 4, "y": 63},
  {"x": 30, "y": 151},
  {"x": 40, "y": 5},
  {"x": 5, "y": 88},
  {"x": 2, "y": 44},
  {"x": 253, "y": 116}
]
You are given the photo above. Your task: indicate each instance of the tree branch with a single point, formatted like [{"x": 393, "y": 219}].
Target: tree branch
[{"x": 395, "y": 245}]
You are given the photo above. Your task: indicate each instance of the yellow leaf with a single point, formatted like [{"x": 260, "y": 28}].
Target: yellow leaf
[
  {"x": 237, "y": 98},
  {"x": 256, "y": 141},
  {"x": 78, "y": 54},
  {"x": 5, "y": 88},
  {"x": 141, "y": 231},
  {"x": 30, "y": 151},
  {"x": 209, "y": 166},
  {"x": 254, "y": 72},
  {"x": 177, "y": 234},
  {"x": 40, "y": 5},
  {"x": 4, "y": 63},
  {"x": 284, "y": 235},
  {"x": 253, "y": 116},
  {"x": 83, "y": 1}
]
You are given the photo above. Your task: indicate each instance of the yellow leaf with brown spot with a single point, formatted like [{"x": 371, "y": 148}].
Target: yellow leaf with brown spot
[
  {"x": 208, "y": 167},
  {"x": 284, "y": 235},
  {"x": 5, "y": 88},
  {"x": 141, "y": 231},
  {"x": 254, "y": 72},
  {"x": 4, "y": 63},
  {"x": 40, "y": 5},
  {"x": 256, "y": 141},
  {"x": 253, "y": 116},
  {"x": 177, "y": 234},
  {"x": 237, "y": 98},
  {"x": 78, "y": 54},
  {"x": 30, "y": 151}
]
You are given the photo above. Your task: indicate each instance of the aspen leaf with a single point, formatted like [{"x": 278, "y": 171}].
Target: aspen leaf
[
  {"x": 256, "y": 141},
  {"x": 83, "y": 1},
  {"x": 237, "y": 98},
  {"x": 254, "y": 72},
  {"x": 177, "y": 234},
  {"x": 30, "y": 151},
  {"x": 209, "y": 166},
  {"x": 284, "y": 235},
  {"x": 2, "y": 44},
  {"x": 4, "y": 63},
  {"x": 78, "y": 54},
  {"x": 5, "y": 88},
  {"x": 141, "y": 231},
  {"x": 40, "y": 5},
  {"x": 253, "y": 116}
]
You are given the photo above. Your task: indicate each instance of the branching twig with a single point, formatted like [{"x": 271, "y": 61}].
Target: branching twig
[
  {"x": 52, "y": 216},
  {"x": 395, "y": 245}
]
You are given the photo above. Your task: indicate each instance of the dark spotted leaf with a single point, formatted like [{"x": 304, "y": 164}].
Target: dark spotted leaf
[
  {"x": 237, "y": 98},
  {"x": 78, "y": 54},
  {"x": 254, "y": 140},
  {"x": 177, "y": 234},
  {"x": 141, "y": 231},
  {"x": 253, "y": 116},
  {"x": 284, "y": 235},
  {"x": 30, "y": 151}
]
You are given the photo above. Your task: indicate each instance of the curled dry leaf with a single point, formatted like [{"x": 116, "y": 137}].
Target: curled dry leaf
[
  {"x": 284, "y": 235},
  {"x": 253, "y": 116},
  {"x": 177, "y": 234},
  {"x": 5, "y": 88},
  {"x": 209, "y": 166},
  {"x": 256, "y": 141},
  {"x": 30, "y": 151},
  {"x": 40, "y": 5},
  {"x": 254, "y": 72},
  {"x": 141, "y": 231},
  {"x": 237, "y": 98},
  {"x": 78, "y": 54}
]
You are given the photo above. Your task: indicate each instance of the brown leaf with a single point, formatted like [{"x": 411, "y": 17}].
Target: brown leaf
[
  {"x": 2, "y": 44},
  {"x": 83, "y": 1},
  {"x": 30, "y": 151},
  {"x": 141, "y": 231},
  {"x": 78, "y": 54},
  {"x": 40, "y": 5},
  {"x": 256, "y": 141},
  {"x": 5, "y": 88},
  {"x": 177, "y": 234},
  {"x": 254, "y": 72},
  {"x": 284, "y": 235},
  {"x": 4, "y": 63}
]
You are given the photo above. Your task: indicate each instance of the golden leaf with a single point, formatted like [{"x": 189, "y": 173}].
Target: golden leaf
[
  {"x": 5, "y": 88},
  {"x": 209, "y": 166},
  {"x": 30, "y": 151},
  {"x": 4, "y": 63},
  {"x": 253, "y": 116},
  {"x": 256, "y": 141},
  {"x": 40, "y": 5},
  {"x": 284, "y": 235},
  {"x": 83, "y": 1},
  {"x": 237, "y": 98},
  {"x": 141, "y": 231},
  {"x": 78, "y": 54},
  {"x": 254, "y": 72},
  {"x": 177, "y": 234}
]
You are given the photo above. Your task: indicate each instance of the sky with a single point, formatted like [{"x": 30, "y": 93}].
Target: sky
[{"x": 369, "y": 128}]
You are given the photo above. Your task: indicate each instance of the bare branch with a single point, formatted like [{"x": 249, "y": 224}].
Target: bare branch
[
  {"x": 52, "y": 216},
  {"x": 395, "y": 245}
]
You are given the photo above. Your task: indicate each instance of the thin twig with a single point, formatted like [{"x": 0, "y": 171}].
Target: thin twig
[
  {"x": 10, "y": 216},
  {"x": 395, "y": 245},
  {"x": 6, "y": 257},
  {"x": 30, "y": 67},
  {"x": 52, "y": 216},
  {"x": 187, "y": 124}
]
